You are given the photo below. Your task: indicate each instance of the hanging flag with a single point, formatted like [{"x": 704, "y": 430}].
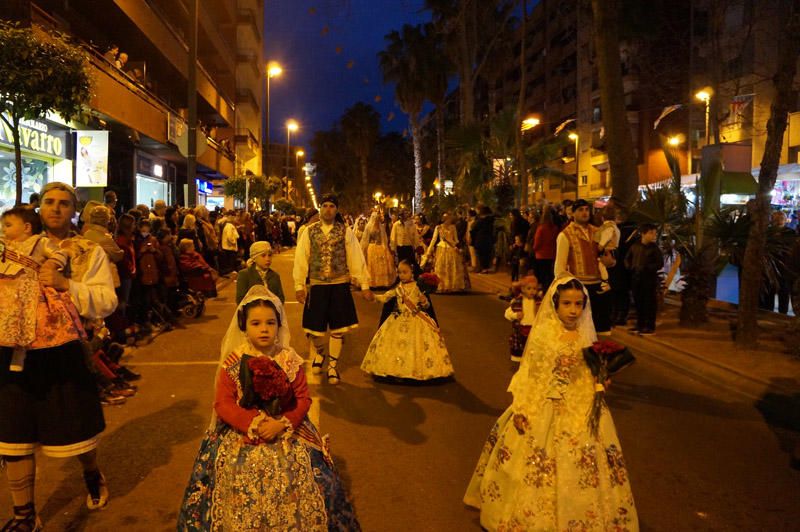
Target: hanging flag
[
  {"x": 738, "y": 106},
  {"x": 665, "y": 112},
  {"x": 563, "y": 125}
]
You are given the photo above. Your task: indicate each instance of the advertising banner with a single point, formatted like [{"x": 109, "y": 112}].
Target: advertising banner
[{"x": 91, "y": 159}]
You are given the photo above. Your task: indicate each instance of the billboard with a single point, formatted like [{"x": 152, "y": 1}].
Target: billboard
[{"x": 91, "y": 158}]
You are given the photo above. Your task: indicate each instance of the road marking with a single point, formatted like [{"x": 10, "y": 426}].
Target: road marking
[{"x": 187, "y": 363}]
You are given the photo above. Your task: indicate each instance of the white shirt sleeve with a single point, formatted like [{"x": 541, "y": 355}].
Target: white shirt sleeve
[
  {"x": 562, "y": 253},
  {"x": 94, "y": 295},
  {"x": 432, "y": 245},
  {"x": 301, "y": 255},
  {"x": 510, "y": 314},
  {"x": 355, "y": 259}
]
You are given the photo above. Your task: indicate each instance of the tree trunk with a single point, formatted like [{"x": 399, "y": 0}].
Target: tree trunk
[
  {"x": 465, "y": 66},
  {"x": 417, "y": 143},
  {"x": 364, "y": 174},
  {"x": 521, "y": 166},
  {"x": 788, "y": 50},
  {"x": 440, "y": 144},
  {"x": 17, "y": 155},
  {"x": 621, "y": 155}
]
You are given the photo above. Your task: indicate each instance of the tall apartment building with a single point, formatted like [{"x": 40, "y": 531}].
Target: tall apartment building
[
  {"x": 731, "y": 47},
  {"x": 140, "y": 95}
]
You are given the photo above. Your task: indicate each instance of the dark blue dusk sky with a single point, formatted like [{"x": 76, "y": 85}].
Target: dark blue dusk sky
[{"x": 328, "y": 50}]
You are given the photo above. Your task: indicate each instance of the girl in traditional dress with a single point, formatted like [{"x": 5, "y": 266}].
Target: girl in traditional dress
[
  {"x": 542, "y": 468},
  {"x": 380, "y": 260},
  {"x": 257, "y": 470},
  {"x": 448, "y": 263},
  {"x": 409, "y": 344}
]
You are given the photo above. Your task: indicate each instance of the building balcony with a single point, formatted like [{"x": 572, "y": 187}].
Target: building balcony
[
  {"x": 246, "y": 97},
  {"x": 246, "y": 143},
  {"x": 249, "y": 57},
  {"x": 248, "y": 19}
]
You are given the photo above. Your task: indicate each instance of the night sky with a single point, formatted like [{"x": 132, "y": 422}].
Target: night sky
[{"x": 328, "y": 50}]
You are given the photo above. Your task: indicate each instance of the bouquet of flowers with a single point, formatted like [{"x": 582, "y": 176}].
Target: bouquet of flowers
[
  {"x": 604, "y": 358},
  {"x": 264, "y": 385},
  {"x": 427, "y": 283}
]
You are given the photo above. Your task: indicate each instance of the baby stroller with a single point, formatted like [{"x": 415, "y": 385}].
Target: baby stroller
[{"x": 188, "y": 302}]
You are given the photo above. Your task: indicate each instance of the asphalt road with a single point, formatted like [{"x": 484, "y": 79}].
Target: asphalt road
[{"x": 700, "y": 457}]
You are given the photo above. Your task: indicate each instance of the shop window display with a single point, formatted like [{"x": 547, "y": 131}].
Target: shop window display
[{"x": 35, "y": 173}]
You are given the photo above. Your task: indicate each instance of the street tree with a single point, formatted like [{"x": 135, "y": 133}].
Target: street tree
[
  {"x": 788, "y": 46},
  {"x": 403, "y": 63},
  {"x": 470, "y": 29},
  {"x": 621, "y": 154},
  {"x": 438, "y": 68},
  {"x": 336, "y": 164},
  {"x": 252, "y": 187},
  {"x": 361, "y": 128},
  {"x": 40, "y": 72}
]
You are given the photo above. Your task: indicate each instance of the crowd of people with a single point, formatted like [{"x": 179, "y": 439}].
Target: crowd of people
[{"x": 85, "y": 284}]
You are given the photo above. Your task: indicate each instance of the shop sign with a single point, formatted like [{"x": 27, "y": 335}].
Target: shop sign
[
  {"x": 204, "y": 187},
  {"x": 36, "y": 136},
  {"x": 91, "y": 159}
]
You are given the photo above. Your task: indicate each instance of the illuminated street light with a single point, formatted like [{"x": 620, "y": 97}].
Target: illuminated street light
[
  {"x": 705, "y": 97},
  {"x": 300, "y": 153},
  {"x": 530, "y": 123},
  {"x": 574, "y": 137},
  {"x": 291, "y": 127},
  {"x": 377, "y": 195},
  {"x": 273, "y": 70},
  {"x": 674, "y": 141}
]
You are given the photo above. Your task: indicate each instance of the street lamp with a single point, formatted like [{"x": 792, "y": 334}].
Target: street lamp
[
  {"x": 705, "y": 97},
  {"x": 674, "y": 141},
  {"x": 291, "y": 127},
  {"x": 273, "y": 71},
  {"x": 530, "y": 122},
  {"x": 574, "y": 137}
]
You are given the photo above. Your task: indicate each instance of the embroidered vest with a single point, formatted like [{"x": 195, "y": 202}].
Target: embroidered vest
[
  {"x": 583, "y": 253},
  {"x": 328, "y": 257}
]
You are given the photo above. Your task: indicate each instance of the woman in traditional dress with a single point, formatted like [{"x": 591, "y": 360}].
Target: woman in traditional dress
[
  {"x": 409, "y": 344},
  {"x": 448, "y": 263},
  {"x": 542, "y": 468},
  {"x": 260, "y": 471},
  {"x": 380, "y": 260}
]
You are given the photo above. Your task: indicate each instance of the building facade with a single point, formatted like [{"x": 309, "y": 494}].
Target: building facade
[{"x": 138, "y": 52}]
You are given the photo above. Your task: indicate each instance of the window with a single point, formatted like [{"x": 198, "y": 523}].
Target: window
[{"x": 584, "y": 180}]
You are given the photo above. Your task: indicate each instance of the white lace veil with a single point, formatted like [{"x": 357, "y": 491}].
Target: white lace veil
[
  {"x": 375, "y": 223},
  {"x": 235, "y": 338},
  {"x": 545, "y": 333}
]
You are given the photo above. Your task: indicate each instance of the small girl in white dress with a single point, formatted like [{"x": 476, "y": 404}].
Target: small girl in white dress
[{"x": 409, "y": 344}]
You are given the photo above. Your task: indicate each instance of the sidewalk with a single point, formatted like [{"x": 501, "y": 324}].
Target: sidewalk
[{"x": 708, "y": 352}]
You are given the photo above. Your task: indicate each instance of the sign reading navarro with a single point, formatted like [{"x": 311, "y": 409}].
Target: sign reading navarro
[{"x": 37, "y": 137}]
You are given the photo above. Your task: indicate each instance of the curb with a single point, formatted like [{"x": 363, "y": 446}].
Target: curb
[{"x": 731, "y": 378}]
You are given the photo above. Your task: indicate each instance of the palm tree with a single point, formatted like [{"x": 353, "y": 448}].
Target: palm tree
[
  {"x": 438, "y": 69},
  {"x": 403, "y": 63},
  {"x": 361, "y": 128}
]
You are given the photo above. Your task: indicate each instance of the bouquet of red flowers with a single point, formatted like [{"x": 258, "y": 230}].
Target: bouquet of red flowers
[
  {"x": 604, "y": 358},
  {"x": 427, "y": 283},
  {"x": 264, "y": 385}
]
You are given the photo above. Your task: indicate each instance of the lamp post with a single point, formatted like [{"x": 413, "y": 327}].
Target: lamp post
[
  {"x": 291, "y": 127},
  {"x": 297, "y": 155},
  {"x": 273, "y": 71},
  {"x": 577, "y": 140},
  {"x": 705, "y": 97}
]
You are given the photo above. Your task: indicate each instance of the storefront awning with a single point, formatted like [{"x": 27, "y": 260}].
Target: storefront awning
[{"x": 738, "y": 183}]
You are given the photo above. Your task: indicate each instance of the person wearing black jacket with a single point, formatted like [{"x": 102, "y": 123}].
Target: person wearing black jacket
[
  {"x": 483, "y": 238},
  {"x": 644, "y": 260}
]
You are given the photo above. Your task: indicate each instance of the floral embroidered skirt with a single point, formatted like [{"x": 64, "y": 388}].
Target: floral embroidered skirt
[
  {"x": 449, "y": 267},
  {"x": 538, "y": 473},
  {"x": 380, "y": 263},
  {"x": 286, "y": 485},
  {"x": 407, "y": 347}
]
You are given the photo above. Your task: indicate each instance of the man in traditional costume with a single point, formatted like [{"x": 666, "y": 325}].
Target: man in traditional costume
[
  {"x": 329, "y": 256},
  {"x": 577, "y": 254},
  {"x": 404, "y": 239},
  {"x": 53, "y": 403}
]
